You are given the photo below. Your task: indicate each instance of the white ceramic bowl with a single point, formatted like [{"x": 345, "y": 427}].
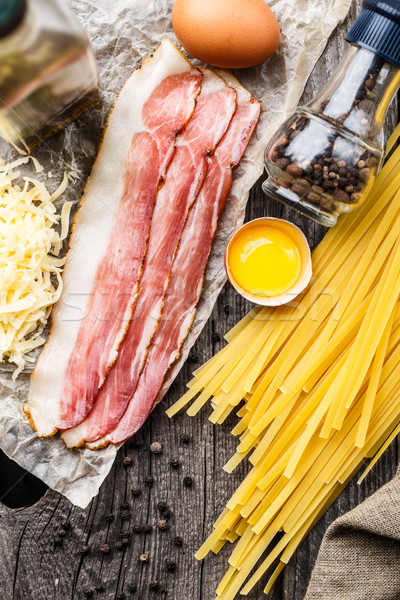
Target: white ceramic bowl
[{"x": 306, "y": 267}]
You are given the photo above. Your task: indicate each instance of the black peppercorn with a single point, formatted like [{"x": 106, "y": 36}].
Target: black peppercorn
[
  {"x": 125, "y": 514},
  {"x": 187, "y": 481},
  {"x": 132, "y": 588},
  {"x": 118, "y": 545},
  {"x": 170, "y": 565},
  {"x": 66, "y": 525},
  {"x": 110, "y": 517},
  {"x": 147, "y": 528},
  {"x": 125, "y": 539},
  {"x": 105, "y": 548},
  {"x": 99, "y": 589},
  {"x": 57, "y": 540},
  {"x": 184, "y": 438},
  {"x": 88, "y": 593},
  {"x": 136, "y": 528},
  {"x": 136, "y": 491},
  {"x": 154, "y": 585},
  {"x": 84, "y": 550},
  {"x": 162, "y": 506},
  {"x": 175, "y": 463},
  {"x": 227, "y": 309},
  {"x": 61, "y": 532},
  {"x": 215, "y": 337},
  {"x": 121, "y": 596},
  {"x": 127, "y": 461},
  {"x": 149, "y": 480},
  {"x": 178, "y": 541}
]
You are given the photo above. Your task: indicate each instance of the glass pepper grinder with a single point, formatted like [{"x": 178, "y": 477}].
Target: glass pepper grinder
[
  {"x": 325, "y": 157},
  {"x": 48, "y": 73}
]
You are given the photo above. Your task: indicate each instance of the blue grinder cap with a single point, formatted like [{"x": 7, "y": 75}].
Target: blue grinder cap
[
  {"x": 11, "y": 15},
  {"x": 377, "y": 28}
]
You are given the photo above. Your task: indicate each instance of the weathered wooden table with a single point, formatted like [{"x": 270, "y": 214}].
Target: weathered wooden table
[{"x": 36, "y": 563}]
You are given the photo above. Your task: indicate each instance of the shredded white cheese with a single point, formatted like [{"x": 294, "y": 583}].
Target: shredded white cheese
[{"x": 30, "y": 267}]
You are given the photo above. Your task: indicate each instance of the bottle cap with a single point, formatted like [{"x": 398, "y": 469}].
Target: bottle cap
[
  {"x": 11, "y": 14},
  {"x": 377, "y": 28}
]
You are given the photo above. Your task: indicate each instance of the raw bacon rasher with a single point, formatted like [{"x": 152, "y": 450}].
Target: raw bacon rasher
[
  {"x": 214, "y": 110},
  {"x": 108, "y": 245},
  {"x": 187, "y": 274}
]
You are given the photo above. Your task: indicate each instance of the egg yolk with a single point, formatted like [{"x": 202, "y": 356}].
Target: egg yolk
[{"x": 264, "y": 260}]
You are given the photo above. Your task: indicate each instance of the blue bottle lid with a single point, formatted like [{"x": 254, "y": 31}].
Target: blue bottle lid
[
  {"x": 11, "y": 15},
  {"x": 377, "y": 28}
]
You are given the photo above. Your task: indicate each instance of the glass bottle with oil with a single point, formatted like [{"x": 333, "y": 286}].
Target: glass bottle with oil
[{"x": 48, "y": 73}]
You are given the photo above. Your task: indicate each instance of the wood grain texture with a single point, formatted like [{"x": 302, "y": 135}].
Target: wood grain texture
[{"x": 34, "y": 568}]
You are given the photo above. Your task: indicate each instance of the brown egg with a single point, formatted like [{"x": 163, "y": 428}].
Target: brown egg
[{"x": 226, "y": 33}]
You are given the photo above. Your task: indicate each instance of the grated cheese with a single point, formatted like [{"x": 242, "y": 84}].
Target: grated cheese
[{"x": 30, "y": 267}]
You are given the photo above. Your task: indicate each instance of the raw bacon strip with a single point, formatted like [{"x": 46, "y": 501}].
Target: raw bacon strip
[
  {"x": 109, "y": 240},
  {"x": 187, "y": 274},
  {"x": 214, "y": 110},
  {"x": 117, "y": 279}
]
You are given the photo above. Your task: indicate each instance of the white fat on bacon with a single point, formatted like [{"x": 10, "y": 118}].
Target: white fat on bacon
[{"x": 94, "y": 227}]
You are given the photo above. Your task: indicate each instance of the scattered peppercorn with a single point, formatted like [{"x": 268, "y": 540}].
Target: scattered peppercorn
[
  {"x": 121, "y": 596},
  {"x": 136, "y": 528},
  {"x": 154, "y": 585},
  {"x": 215, "y": 337},
  {"x": 99, "y": 589},
  {"x": 162, "y": 506},
  {"x": 184, "y": 438},
  {"x": 66, "y": 525},
  {"x": 132, "y": 588},
  {"x": 61, "y": 532},
  {"x": 144, "y": 558},
  {"x": 156, "y": 448},
  {"x": 178, "y": 541},
  {"x": 135, "y": 491},
  {"x": 227, "y": 309},
  {"x": 88, "y": 593},
  {"x": 170, "y": 565},
  {"x": 118, "y": 545},
  {"x": 125, "y": 539},
  {"x": 187, "y": 481},
  {"x": 167, "y": 514},
  {"x": 125, "y": 514},
  {"x": 110, "y": 517},
  {"x": 149, "y": 480},
  {"x": 127, "y": 461},
  {"x": 125, "y": 505},
  {"x": 175, "y": 463},
  {"x": 147, "y": 528},
  {"x": 105, "y": 548},
  {"x": 57, "y": 540},
  {"x": 162, "y": 524},
  {"x": 84, "y": 550}
]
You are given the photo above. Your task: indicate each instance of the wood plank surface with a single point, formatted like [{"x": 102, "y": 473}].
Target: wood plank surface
[{"x": 36, "y": 563}]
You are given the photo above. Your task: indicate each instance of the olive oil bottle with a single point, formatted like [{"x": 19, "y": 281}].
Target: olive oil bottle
[{"x": 48, "y": 73}]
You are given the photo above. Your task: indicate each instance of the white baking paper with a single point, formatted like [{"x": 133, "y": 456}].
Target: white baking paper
[{"x": 123, "y": 33}]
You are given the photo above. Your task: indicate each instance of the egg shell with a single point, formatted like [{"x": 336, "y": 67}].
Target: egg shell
[
  {"x": 226, "y": 33},
  {"x": 306, "y": 265}
]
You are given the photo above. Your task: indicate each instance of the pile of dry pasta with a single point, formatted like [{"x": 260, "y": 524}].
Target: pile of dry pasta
[{"x": 320, "y": 384}]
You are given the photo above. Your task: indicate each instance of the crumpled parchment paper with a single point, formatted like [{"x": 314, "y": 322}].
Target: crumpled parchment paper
[{"x": 123, "y": 33}]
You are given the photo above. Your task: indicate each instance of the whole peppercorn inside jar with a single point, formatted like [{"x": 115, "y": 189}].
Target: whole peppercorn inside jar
[{"x": 324, "y": 159}]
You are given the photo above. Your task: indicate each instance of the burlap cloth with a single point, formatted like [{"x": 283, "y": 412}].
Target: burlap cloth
[{"x": 359, "y": 557}]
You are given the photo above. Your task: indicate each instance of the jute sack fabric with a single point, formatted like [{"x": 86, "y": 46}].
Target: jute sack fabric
[{"x": 359, "y": 558}]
